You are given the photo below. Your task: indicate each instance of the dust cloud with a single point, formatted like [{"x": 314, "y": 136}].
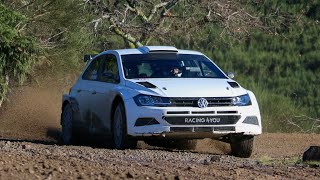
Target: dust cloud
[{"x": 32, "y": 111}]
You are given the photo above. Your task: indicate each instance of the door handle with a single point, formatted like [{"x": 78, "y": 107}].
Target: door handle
[
  {"x": 93, "y": 92},
  {"x": 78, "y": 90}
]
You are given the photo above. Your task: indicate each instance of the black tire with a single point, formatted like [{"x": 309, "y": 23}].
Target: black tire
[
  {"x": 242, "y": 146},
  {"x": 67, "y": 134},
  {"x": 120, "y": 138}
]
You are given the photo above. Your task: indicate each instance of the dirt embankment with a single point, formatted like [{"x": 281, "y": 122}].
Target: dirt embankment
[{"x": 33, "y": 114}]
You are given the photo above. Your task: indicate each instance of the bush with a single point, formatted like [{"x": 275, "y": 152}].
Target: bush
[{"x": 16, "y": 50}]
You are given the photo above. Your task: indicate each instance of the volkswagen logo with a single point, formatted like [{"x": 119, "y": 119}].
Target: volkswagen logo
[{"x": 202, "y": 103}]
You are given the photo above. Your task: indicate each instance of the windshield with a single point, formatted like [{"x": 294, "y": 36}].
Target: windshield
[{"x": 169, "y": 65}]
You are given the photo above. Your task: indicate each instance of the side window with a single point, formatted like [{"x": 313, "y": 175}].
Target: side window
[
  {"x": 92, "y": 71},
  {"x": 110, "y": 72}
]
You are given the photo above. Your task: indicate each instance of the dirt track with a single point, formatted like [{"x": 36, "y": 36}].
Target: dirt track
[
  {"x": 21, "y": 160},
  {"x": 33, "y": 115}
]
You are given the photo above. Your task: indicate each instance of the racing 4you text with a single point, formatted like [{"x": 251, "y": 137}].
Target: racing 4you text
[{"x": 202, "y": 120}]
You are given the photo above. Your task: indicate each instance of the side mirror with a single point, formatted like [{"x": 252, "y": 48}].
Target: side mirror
[
  {"x": 230, "y": 75},
  {"x": 88, "y": 57}
]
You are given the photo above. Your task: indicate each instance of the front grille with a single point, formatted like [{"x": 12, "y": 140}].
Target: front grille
[
  {"x": 191, "y": 129},
  {"x": 177, "y": 112},
  {"x": 227, "y": 112},
  {"x": 202, "y": 112},
  {"x": 193, "y": 102},
  {"x": 202, "y": 120},
  {"x": 225, "y": 128},
  {"x": 202, "y": 129},
  {"x": 181, "y": 129}
]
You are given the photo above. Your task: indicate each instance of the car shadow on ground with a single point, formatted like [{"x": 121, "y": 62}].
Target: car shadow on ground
[
  {"x": 54, "y": 134},
  {"x": 54, "y": 138},
  {"x": 44, "y": 142}
]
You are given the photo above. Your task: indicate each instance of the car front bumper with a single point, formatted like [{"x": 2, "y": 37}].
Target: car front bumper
[{"x": 192, "y": 122}]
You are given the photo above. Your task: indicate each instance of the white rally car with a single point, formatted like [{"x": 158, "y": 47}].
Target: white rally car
[{"x": 159, "y": 94}]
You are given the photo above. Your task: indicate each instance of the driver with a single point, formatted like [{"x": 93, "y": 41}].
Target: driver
[{"x": 176, "y": 72}]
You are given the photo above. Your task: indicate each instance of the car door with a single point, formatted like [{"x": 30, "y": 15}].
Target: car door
[
  {"x": 108, "y": 80},
  {"x": 85, "y": 90}
]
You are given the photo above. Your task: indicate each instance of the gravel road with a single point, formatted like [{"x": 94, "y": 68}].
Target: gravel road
[{"x": 46, "y": 160}]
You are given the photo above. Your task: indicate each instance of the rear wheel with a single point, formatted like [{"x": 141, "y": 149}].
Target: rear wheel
[
  {"x": 242, "y": 146},
  {"x": 66, "y": 121},
  {"x": 121, "y": 140}
]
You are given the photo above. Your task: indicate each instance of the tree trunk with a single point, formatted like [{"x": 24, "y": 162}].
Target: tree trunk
[{"x": 4, "y": 89}]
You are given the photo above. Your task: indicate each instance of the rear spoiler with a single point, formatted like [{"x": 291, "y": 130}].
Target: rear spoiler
[{"x": 88, "y": 57}]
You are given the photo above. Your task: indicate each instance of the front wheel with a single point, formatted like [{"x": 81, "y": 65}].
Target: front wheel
[
  {"x": 120, "y": 138},
  {"x": 66, "y": 122},
  {"x": 242, "y": 146}
]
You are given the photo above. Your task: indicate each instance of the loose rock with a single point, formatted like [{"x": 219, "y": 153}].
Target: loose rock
[{"x": 312, "y": 154}]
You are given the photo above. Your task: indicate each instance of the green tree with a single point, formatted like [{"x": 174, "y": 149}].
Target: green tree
[
  {"x": 140, "y": 23},
  {"x": 281, "y": 66},
  {"x": 16, "y": 50},
  {"x": 62, "y": 30}
]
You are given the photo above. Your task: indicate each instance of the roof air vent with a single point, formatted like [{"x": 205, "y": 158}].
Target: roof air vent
[{"x": 158, "y": 49}]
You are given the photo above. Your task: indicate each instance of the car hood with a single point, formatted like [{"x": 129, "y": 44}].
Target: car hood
[{"x": 186, "y": 87}]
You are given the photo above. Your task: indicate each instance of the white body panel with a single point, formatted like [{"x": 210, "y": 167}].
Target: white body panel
[
  {"x": 94, "y": 102},
  {"x": 135, "y": 112},
  {"x": 192, "y": 87}
]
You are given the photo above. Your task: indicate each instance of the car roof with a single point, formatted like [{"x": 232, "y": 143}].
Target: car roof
[{"x": 152, "y": 49}]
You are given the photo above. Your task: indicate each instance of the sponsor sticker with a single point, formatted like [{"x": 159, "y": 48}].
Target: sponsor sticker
[{"x": 204, "y": 120}]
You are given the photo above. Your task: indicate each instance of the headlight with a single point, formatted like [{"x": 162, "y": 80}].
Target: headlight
[
  {"x": 147, "y": 100},
  {"x": 243, "y": 100}
]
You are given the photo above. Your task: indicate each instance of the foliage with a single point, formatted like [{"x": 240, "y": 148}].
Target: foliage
[
  {"x": 63, "y": 30},
  {"x": 16, "y": 49},
  {"x": 272, "y": 46},
  {"x": 281, "y": 66},
  {"x": 140, "y": 23}
]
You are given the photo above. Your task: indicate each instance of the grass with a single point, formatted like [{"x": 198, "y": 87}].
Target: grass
[
  {"x": 291, "y": 161},
  {"x": 309, "y": 163},
  {"x": 266, "y": 160}
]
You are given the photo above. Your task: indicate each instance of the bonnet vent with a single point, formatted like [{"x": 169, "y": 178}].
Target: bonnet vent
[
  {"x": 147, "y": 84},
  {"x": 234, "y": 84}
]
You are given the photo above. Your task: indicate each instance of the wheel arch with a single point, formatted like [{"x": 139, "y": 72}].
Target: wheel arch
[
  {"x": 126, "y": 142},
  {"x": 72, "y": 102},
  {"x": 65, "y": 102},
  {"x": 116, "y": 100}
]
